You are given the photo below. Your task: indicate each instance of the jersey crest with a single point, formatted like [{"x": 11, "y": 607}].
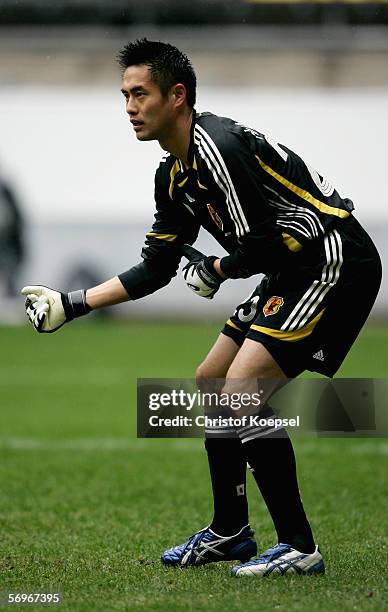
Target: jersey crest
[{"x": 272, "y": 306}]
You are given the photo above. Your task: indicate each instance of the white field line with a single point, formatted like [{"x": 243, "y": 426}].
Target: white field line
[
  {"x": 186, "y": 445},
  {"x": 349, "y": 447},
  {"x": 92, "y": 444},
  {"x": 50, "y": 376}
]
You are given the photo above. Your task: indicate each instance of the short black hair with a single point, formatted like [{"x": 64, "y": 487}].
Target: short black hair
[{"x": 167, "y": 64}]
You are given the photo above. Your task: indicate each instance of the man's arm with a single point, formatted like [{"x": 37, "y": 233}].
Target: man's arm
[
  {"x": 217, "y": 267},
  {"x": 48, "y": 309},
  {"x": 109, "y": 293}
]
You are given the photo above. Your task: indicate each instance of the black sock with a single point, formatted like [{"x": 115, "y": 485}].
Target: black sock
[
  {"x": 227, "y": 464},
  {"x": 273, "y": 464}
]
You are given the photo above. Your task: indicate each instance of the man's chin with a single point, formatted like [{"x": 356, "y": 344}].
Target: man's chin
[{"x": 143, "y": 136}]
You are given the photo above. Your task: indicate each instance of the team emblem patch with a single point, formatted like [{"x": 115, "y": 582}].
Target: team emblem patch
[
  {"x": 272, "y": 306},
  {"x": 215, "y": 216}
]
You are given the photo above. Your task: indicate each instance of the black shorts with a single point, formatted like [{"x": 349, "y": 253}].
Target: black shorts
[{"x": 309, "y": 317}]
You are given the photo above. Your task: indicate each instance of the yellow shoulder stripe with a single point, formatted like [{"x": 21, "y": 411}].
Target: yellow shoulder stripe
[
  {"x": 183, "y": 182},
  {"x": 167, "y": 237},
  {"x": 173, "y": 172},
  {"x": 291, "y": 243},
  {"x": 290, "y": 336},
  {"x": 302, "y": 193},
  {"x": 195, "y": 167}
]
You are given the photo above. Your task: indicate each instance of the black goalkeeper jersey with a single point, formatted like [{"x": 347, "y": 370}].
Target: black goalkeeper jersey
[{"x": 258, "y": 199}]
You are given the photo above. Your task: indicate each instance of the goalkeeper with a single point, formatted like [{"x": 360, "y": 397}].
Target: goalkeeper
[{"x": 273, "y": 214}]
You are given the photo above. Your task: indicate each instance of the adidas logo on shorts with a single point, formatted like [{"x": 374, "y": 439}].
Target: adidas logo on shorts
[{"x": 319, "y": 355}]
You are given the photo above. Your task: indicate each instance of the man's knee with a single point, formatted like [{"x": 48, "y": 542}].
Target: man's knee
[
  {"x": 212, "y": 368},
  {"x": 210, "y": 377},
  {"x": 204, "y": 375},
  {"x": 201, "y": 372},
  {"x": 218, "y": 360}
]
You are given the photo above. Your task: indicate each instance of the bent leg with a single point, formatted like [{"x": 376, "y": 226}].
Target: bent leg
[
  {"x": 219, "y": 359},
  {"x": 272, "y": 459},
  {"x": 227, "y": 462}
]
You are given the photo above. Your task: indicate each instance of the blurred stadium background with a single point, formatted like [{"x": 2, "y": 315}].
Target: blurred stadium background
[{"x": 314, "y": 75}]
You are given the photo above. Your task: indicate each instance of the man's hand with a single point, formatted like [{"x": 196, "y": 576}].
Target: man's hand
[
  {"x": 201, "y": 277},
  {"x": 48, "y": 309}
]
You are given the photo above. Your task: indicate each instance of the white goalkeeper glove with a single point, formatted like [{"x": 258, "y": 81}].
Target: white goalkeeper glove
[
  {"x": 201, "y": 277},
  {"x": 48, "y": 309}
]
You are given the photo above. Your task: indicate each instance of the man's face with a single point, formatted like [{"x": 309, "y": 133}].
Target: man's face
[{"x": 150, "y": 113}]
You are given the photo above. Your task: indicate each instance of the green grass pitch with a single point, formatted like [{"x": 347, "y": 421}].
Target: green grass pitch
[{"x": 86, "y": 508}]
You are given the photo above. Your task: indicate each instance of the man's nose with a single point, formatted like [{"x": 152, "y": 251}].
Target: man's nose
[{"x": 131, "y": 107}]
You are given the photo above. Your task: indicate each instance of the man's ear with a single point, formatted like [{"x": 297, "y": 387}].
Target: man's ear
[{"x": 179, "y": 94}]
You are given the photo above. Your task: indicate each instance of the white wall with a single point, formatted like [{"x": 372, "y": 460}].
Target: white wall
[{"x": 74, "y": 157}]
